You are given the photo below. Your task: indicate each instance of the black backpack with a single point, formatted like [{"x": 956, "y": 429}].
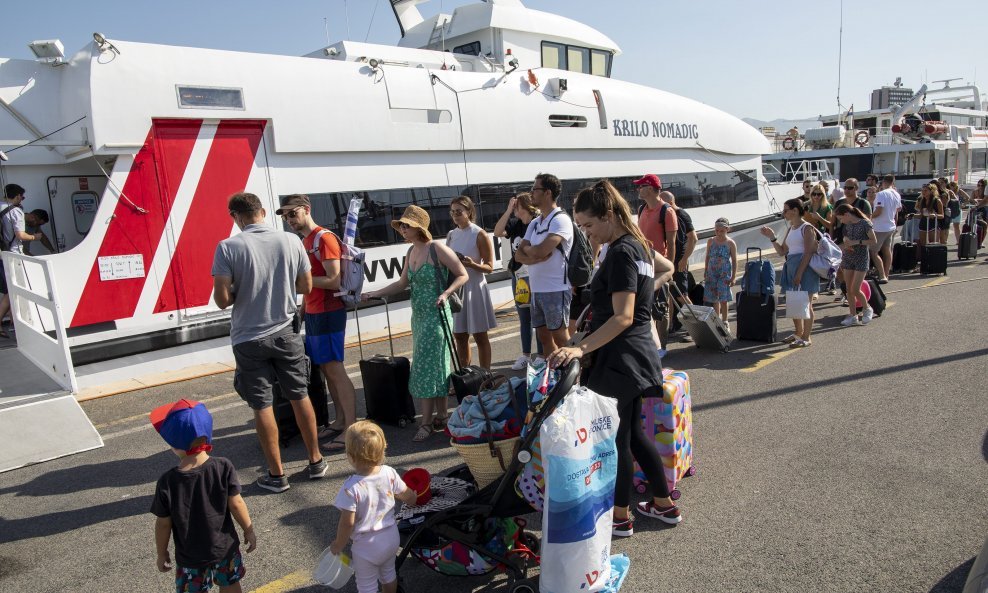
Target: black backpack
[
  {"x": 579, "y": 263},
  {"x": 4, "y": 243}
]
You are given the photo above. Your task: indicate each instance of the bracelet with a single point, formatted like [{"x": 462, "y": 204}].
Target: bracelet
[{"x": 774, "y": 239}]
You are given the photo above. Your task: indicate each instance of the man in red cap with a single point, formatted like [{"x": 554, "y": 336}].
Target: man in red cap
[{"x": 658, "y": 222}]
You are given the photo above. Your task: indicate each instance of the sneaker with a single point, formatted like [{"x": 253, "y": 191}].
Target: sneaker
[
  {"x": 522, "y": 363},
  {"x": 867, "y": 315},
  {"x": 317, "y": 470},
  {"x": 687, "y": 339},
  {"x": 269, "y": 482},
  {"x": 624, "y": 528},
  {"x": 851, "y": 320},
  {"x": 663, "y": 353},
  {"x": 670, "y": 515}
]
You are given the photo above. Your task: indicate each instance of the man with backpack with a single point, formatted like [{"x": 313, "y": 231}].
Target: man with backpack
[
  {"x": 324, "y": 313},
  {"x": 13, "y": 235},
  {"x": 546, "y": 251}
]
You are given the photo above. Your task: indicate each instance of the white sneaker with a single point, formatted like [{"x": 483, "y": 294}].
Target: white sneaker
[
  {"x": 867, "y": 315},
  {"x": 521, "y": 363},
  {"x": 851, "y": 320}
]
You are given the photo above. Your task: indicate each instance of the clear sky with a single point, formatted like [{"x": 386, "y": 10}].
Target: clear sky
[{"x": 758, "y": 58}]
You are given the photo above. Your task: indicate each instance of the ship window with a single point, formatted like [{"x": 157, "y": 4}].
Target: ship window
[
  {"x": 553, "y": 55},
  {"x": 470, "y": 49},
  {"x": 578, "y": 59},
  {"x": 567, "y": 121},
  {"x": 201, "y": 97},
  {"x": 600, "y": 63},
  {"x": 380, "y": 207}
]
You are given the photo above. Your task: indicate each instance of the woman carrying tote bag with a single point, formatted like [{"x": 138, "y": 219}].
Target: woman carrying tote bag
[{"x": 797, "y": 247}]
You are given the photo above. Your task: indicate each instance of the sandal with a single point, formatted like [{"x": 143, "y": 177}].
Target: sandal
[
  {"x": 334, "y": 446},
  {"x": 790, "y": 339},
  {"x": 799, "y": 343},
  {"x": 331, "y": 433},
  {"x": 439, "y": 424},
  {"x": 423, "y": 433}
]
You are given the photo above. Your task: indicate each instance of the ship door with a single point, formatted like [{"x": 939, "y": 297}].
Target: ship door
[
  {"x": 72, "y": 204},
  {"x": 216, "y": 160}
]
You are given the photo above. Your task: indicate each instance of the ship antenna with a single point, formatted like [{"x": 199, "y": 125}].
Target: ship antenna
[
  {"x": 840, "y": 52},
  {"x": 325, "y": 23},
  {"x": 346, "y": 11}
]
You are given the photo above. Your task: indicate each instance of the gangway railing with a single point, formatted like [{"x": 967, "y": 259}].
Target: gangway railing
[{"x": 32, "y": 309}]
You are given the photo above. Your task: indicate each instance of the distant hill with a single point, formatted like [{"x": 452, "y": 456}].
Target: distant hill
[{"x": 782, "y": 125}]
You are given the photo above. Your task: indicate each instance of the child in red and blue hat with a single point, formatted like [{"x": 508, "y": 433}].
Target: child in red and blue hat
[{"x": 196, "y": 503}]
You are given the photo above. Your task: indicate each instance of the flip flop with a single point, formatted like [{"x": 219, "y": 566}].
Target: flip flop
[
  {"x": 423, "y": 433},
  {"x": 330, "y": 433},
  {"x": 438, "y": 424},
  {"x": 333, "y": 447}
]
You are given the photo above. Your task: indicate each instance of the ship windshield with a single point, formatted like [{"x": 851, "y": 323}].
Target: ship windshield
[{"x": 576, "y": 59}]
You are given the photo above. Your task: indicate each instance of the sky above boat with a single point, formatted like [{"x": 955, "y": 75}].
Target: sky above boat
[{"x": 756, "y": 59}]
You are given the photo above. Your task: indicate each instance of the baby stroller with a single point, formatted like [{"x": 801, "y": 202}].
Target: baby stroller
[{"x": 485, "y": 532}]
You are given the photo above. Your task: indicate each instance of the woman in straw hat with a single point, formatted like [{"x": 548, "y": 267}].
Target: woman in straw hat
[{"x": 429, "y": 381}]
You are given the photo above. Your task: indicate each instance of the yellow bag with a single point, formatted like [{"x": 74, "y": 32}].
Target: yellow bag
[{"x": 523, "y": 295}]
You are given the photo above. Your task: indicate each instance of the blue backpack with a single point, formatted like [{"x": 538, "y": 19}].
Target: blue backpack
[{"x": 759, "y": 275}]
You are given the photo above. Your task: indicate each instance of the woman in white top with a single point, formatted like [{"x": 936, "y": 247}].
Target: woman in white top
[
  {"x": 797, "y": 247},
  {"x": 475, "y": 249}
]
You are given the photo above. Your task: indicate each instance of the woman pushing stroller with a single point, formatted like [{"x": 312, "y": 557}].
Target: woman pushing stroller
[{"x": 626, "y": 365}]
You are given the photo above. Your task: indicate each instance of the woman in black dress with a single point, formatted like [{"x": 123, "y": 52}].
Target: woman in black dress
[{"x": 626, "y": 366}]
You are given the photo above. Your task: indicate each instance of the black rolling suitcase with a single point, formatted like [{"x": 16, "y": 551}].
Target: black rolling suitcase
[
  {"x": 464, "y": 380},
  {"x": 877, "y": 299},
  {"x": 756, "y": 314},
  {"x": 934, "y": 259},
  {"x": 385, "y": 381},
  {"x": 967, "y": 242},
  {"x": 903, "y": 257},
  {"x": 284, "y": 413}
]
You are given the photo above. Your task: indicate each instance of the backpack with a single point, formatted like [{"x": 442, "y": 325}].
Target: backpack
[
  {"x": 4, "y": 243},
  {"x": 579, "y": 262},
  {"x": 681, "y": 231},
  {"x": 351, "y": 268}
]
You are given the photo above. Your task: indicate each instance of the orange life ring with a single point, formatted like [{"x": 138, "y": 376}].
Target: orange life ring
[
  {"x": 789, "y": 143},
  {"x": 861, "y": 138}
]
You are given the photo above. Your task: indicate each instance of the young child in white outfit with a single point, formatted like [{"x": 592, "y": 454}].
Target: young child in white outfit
[{"x": 366, "y": 502}]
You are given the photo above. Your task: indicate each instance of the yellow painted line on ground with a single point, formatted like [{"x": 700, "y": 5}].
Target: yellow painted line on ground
[
  {"x": 767, "y": 361},
  {"x": 935, "y": 281},
  {"x": 286, "y": 583}
]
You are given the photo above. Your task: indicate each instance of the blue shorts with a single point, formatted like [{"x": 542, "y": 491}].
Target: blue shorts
[
  {"x": 551, "y": 309},
  {"x": 199, "y": 580},
  {"x": 324, "y": 336}
]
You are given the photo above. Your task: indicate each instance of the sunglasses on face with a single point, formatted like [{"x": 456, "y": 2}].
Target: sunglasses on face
[
  {"x": 850, "y": 187},
  {"x": 817, "y": 194},
  {"x": 455, "y": 212},
  {"x": 290, "y": 215}
]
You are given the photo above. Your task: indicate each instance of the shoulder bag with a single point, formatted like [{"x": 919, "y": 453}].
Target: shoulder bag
[{"x": 455, "y": 298}]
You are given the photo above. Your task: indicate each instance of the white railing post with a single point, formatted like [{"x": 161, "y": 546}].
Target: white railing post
[{"x": 51, "y": 355}]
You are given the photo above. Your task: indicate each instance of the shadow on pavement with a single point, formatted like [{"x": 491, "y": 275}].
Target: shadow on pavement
[{"x": 953, "y": 582}]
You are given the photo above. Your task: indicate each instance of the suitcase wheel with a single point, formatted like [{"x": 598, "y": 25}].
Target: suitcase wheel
[
  {"x": 675, "y": 494},
  {"x": 691, "y": 471},
  {"x": 641, "y": 487}
]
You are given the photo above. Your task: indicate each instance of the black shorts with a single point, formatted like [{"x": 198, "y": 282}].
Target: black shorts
[{"x": 279, "y": 356}]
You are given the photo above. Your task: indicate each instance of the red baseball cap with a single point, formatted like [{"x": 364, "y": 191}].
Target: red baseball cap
[{"x": 649, "y": 179}]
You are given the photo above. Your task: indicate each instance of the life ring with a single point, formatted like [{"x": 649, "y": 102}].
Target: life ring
[
  {"x": 789, "y": 143},
  {"x": 861, "y": 138}
]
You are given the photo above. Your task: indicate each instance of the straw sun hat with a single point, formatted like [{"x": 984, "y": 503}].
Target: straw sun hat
[{"x": 414, "y": 217}]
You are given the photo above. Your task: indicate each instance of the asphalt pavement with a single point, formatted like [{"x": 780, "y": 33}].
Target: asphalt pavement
[{"x": 857, "y": 464}]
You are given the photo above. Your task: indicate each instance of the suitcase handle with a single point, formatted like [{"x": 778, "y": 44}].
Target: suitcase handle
[
  {"x": 448, "y": 336},
  {"x": 387, "y": 313}
]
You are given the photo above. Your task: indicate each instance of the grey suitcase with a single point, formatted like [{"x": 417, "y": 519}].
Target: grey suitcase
[{"x": 705, "y": 326}]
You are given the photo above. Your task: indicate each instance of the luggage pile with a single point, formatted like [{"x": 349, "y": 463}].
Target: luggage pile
[{"x": 669, "y": 421}]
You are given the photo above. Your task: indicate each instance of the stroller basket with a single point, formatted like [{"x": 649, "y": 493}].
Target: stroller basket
[{"x": 483, "y": 532}]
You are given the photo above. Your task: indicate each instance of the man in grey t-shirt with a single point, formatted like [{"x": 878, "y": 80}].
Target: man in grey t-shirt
[
  {"x": 259, "y": 272},
  {"x": 15, "y": 235}
]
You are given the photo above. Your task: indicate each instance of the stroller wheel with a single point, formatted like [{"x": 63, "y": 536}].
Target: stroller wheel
[
  {"x": 532, "y": 541},
  {"x": 525, "y": 586}
]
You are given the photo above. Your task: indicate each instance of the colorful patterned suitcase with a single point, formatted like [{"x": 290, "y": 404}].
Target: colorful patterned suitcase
[{"x": 670, "y": 422}]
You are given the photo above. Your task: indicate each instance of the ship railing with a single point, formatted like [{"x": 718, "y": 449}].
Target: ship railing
[
  {"x": 38, "y": 322},
  {"x": 882, "y": 137}
]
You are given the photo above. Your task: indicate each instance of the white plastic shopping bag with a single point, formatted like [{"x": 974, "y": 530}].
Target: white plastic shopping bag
[
  {"x": 580, "y": 460},
  {"x": 797, "y": 304}
]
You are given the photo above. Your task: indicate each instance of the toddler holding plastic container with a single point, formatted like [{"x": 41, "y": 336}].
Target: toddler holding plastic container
[{"x": 366, "y": 503}]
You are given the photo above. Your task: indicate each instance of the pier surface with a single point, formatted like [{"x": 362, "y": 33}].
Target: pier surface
[{"x": 857, "y": 464}]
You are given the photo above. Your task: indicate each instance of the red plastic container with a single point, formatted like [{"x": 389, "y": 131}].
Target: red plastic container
[{"x": 418, "y": 479}]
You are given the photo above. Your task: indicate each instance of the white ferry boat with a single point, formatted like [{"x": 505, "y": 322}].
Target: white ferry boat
[
  {"x": 134, "y": 148},
  {"x": 932, "y": 133}
]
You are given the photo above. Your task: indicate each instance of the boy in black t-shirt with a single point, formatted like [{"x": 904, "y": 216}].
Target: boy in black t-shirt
[{"x": 196, "y": 503}]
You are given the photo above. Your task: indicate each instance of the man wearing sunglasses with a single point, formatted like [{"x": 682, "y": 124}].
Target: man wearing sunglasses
[
  {"x": 545, "y": 250},
  {"x": 258, "y": 272},
  {"x": 324, "y": 314}
]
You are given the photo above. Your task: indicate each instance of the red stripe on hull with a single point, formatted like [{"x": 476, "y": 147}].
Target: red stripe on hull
[
  {"x": 231, "y": 158},
  {"x": 135, "y": 233}
]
